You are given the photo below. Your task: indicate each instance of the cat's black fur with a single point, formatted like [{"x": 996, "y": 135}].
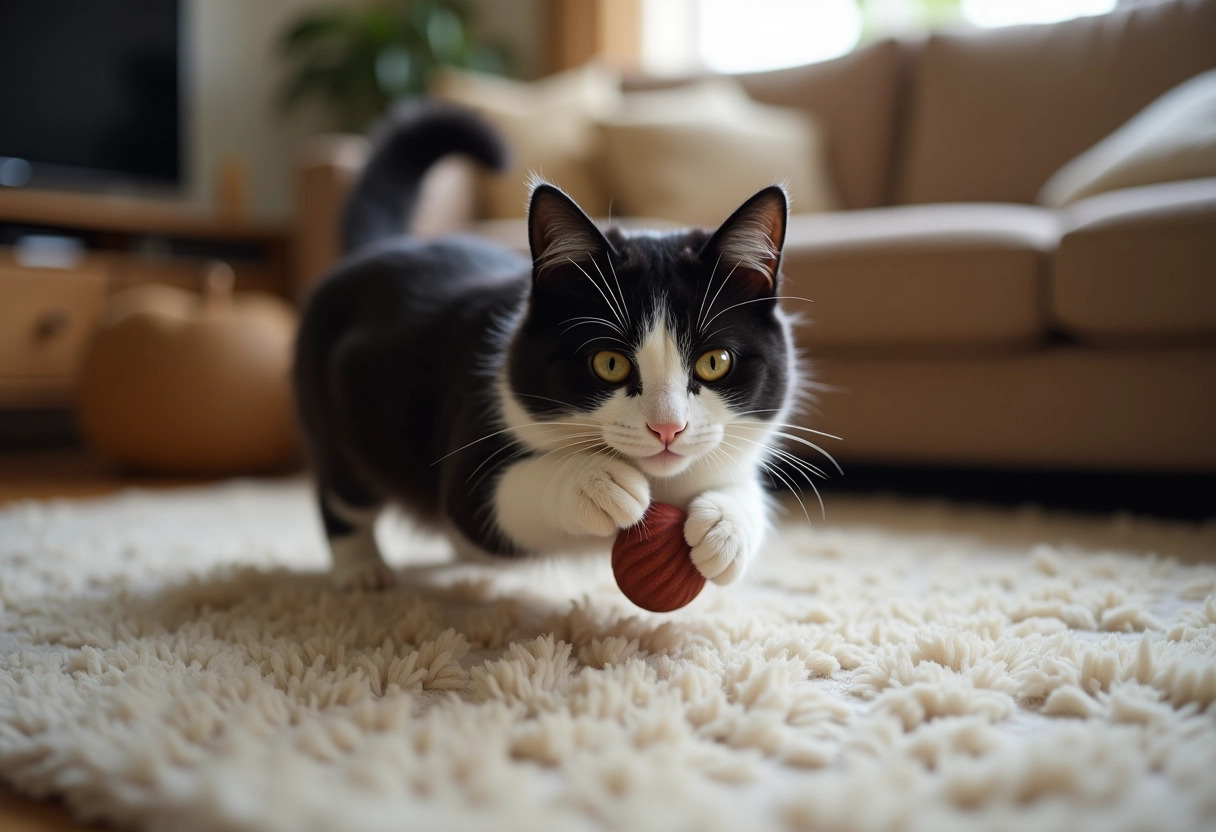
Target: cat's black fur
[{"x": 401, "y": 346}]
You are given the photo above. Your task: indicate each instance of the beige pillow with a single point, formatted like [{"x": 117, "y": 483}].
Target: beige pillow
[
  {"x": 694, "y": 153},
  {"x": 1173, "y": 138},
  {"x": 549, "y": 125}
]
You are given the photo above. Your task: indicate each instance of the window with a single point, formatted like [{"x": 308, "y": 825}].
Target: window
[
  {"x": 751, "y": 35},
  {"x": 761, "y": 34},
  {"x": 1011, "y": 12}
]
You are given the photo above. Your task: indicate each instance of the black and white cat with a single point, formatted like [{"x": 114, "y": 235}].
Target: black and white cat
[{"x": 537, "y": 406}]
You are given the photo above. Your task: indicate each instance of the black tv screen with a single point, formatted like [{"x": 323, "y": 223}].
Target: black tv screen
[{"x": 90, "y": 92}]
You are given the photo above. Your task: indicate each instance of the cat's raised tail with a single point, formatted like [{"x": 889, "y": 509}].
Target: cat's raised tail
[{"x": 411, "y": 139}]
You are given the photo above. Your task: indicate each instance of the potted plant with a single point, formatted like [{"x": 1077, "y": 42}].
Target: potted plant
[{"x": 360, "y": 58}]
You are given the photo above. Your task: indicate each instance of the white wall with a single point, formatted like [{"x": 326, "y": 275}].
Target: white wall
[
  {"x": 234, "y": 72},
  {"x": 516, "y": 25}
]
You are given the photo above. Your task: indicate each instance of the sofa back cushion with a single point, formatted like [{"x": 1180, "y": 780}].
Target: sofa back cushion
[
  {"x": 854, "y": 99},
  {"x": 549, "y": 126},
  {"x": 1170, "y": 140},
  {"x": 996, "y": 113},
  {"x": 694, "y": 153}
]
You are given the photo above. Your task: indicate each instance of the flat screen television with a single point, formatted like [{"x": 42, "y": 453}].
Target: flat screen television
[{"x": 90, "y": 93}]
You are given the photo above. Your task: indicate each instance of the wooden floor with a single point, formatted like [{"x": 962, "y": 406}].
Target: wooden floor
[
  {"x": 48, "y": 474},
  {"x": 44, "y": 476},
  {"x": 20, "y": 814}
]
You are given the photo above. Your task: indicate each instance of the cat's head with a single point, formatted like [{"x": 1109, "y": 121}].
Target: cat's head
[{"x": 669, "y": 349}]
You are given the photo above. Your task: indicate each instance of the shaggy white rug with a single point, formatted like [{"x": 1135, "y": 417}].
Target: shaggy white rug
[{"x": 178, "y": 662}]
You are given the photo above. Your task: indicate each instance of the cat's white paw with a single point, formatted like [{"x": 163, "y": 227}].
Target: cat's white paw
[
  {"x": 724, "y": 533},
  {"x": 358, "y": 565},
  {"x": 600, "y": 495},
  {"x": 364, "y": 576}
]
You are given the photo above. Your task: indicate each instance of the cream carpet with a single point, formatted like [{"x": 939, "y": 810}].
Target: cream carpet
[{"x": 178, "y": 662}]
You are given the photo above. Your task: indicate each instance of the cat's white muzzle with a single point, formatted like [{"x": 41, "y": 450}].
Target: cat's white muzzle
[
  {"x": 665, "y": 463},
  {"x": 669, "y": 460}
]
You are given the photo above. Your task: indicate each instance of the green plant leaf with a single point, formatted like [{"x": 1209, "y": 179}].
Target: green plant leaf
[
  {"x": 309, "y": 30},
  {"x": 445, "y": 34},
  {"x": 359, "y": 59}
]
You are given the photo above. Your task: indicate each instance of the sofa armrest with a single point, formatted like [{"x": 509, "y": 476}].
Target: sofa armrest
[
  {"x": 1136, "y": 265},
  {"x": 326, "y": 170},
  {"x": 1188, "y": 200}
]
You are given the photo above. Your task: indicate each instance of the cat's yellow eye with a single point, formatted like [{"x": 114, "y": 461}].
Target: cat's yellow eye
[
  {"x": 611, "y": 366},
  {"x": 712, "y": 365}
]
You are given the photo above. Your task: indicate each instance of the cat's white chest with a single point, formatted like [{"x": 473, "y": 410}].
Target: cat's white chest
[
  {"x": 682, "y": 490},
  {"x": 673, "y": 493}
]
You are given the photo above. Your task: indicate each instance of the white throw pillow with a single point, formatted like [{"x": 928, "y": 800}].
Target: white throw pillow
[
  {"x": 549, "y": 125},
  {"x": 694, "y": 153},
  {"x": 1173, "y": 138}
]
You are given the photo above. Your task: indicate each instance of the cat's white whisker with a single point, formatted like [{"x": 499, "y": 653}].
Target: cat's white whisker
[
  {"x": 710, "y": 336},
  {"x": 588, "y": 319},
  {"x": 805, "y": 442},
  {"x": 766, "y": 425},
  {"x": 562, "y": 436},
  {"x": 545, "y": 399},
  {"x": 782, "y": 451},
  {"x": 792, "y": 459},
  {"x": 716, "y": 453},
  {"x": 798, "y": 465},
  {"x": 777, "y": 473},
  {"x": 617, "y": 312},
  {"x": 614, "y": 277},
  {"x": 725, "y": 280},
  {"x": 516, "y": 449},
  {"x": 808, "y": 468},
  {"x": 620, "y": 295},
  {"x": 782, "y": 424},
  {"x": 520, "y": 451},
  {"x": 709, "y": 285},
  {"x": 582, "y": 446},
  {"x": 603, "y": 338},
  {"x": 753, "y": 300},
  {"x": 510, "y": 429},
  {"x": 514, "y": 453}
]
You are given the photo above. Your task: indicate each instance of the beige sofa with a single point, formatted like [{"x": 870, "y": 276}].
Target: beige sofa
[{"x": 955, "y": 322}]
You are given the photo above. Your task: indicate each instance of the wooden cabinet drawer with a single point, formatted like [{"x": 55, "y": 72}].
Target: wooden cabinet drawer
[
  {"x": 46, "y": 317},
  {"x": 187, "y": 272}
]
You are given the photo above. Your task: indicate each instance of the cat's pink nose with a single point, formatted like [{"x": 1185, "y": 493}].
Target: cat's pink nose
[{"x": 667, "y": 432}]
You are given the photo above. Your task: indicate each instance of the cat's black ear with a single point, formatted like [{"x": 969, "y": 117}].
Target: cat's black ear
[
  {"x": 750, "y": 242},
  {"x": 559, "y": 233}
]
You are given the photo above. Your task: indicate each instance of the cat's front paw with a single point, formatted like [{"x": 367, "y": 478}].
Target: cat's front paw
[
  {"x": 357, "y": 564},
  {"x": 724, "y": 530},
  {"x": 368, "y": 576},
  {"x": 599, "y": 496}
]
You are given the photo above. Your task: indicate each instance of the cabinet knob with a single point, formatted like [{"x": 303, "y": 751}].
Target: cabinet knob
[{"x": 51, "y": 324}]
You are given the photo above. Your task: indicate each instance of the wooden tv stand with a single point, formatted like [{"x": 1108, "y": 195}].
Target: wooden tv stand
[{"x": 47, "y": 314}]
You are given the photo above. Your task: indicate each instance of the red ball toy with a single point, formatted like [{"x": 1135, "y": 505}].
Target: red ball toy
[{"x": 651, "y": 561}]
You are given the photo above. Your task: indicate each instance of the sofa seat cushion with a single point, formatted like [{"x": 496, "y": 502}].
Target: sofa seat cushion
[
  {"x": 1066, "y": 408},
  {"x": 1139, "y": 266},
  {"x": 920, "y": 276}
]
